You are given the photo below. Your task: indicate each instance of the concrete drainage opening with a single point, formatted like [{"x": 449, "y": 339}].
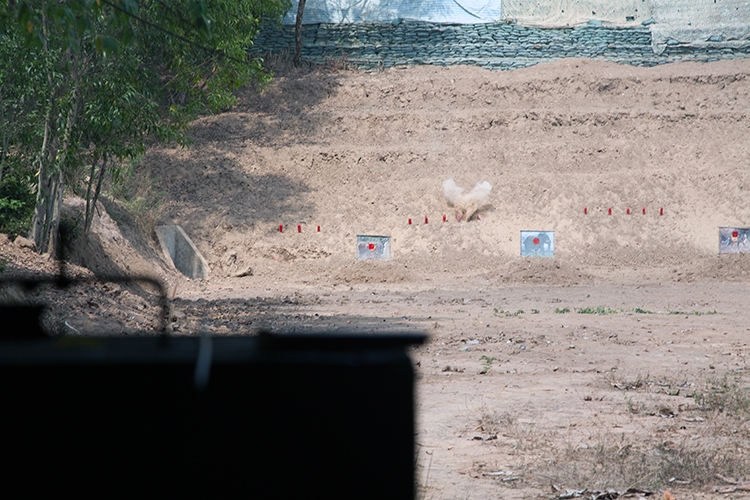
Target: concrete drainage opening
[{"x": 181, "y": 252}]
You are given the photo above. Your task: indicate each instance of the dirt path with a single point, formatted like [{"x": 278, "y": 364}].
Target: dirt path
[{"x": 523, "y": 386}]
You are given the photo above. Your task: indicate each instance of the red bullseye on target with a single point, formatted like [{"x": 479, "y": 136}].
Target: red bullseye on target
[
  {"x": 370, "y": 247},
  {"x": 537, "y": 243}
]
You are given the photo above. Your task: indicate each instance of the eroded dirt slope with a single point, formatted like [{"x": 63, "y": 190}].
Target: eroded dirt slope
[{"x": 361, "y": 153}]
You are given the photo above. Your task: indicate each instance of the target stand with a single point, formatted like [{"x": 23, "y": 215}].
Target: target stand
[
  {"x": 734, "y": 240},
  {"x": 373, "y": 247},
  {"x": 537, "y": 243}
]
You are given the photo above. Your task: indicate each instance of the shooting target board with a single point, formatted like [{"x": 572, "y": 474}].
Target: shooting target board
[
  {"x": 734, "y": 240},
  {"x": 373, "y": 247},
  {"x": 537, "y": 243}
]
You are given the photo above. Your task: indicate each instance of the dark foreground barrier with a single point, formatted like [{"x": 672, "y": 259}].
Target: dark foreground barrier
[{"x": 259, "y": 417}]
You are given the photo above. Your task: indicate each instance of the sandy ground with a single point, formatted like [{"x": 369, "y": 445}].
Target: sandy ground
[{"x": 534, "y": 367}]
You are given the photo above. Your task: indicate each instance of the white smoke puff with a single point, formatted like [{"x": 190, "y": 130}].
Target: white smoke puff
[{"x": 466, "y": 205}]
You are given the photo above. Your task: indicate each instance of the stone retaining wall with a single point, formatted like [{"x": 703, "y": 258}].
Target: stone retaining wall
[{"x": 492, "y": 46}]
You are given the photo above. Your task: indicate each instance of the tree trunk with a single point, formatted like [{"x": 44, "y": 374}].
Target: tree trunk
[
  {"x": 87, "y": 215},
  {"x": 4, "y": 153},
  {"x": 46, "y": 181},
  {"x": 298, "y": 34},
  {"x": 91, "y": 203},
  {"x": 43, "y": 192},
  {"x": 52, "y": 159}
]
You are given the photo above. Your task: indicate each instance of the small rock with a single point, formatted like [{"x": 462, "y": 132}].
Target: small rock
[
  {"x": 248, "y": 271},
  {"x": 648, "y": 22},
  {"x": 22, "y": 242}
]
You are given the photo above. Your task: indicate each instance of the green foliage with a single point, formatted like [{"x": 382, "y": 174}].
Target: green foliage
[
  {"x": 91, "y": 82},
  {"x": 16, "y": 203},
  {"x": 486, "y": 364},
  {"x": 694, "y": 313},
  {"x": 508, "y": 314},
  {"x": 642, "y": 311},
  {"x": 137, "y": 195},
  {"x": 596, "y": 310},
  {"x": 562, "y": 311}
]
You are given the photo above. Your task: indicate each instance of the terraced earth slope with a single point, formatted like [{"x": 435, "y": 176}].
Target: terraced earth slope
[{"x": 361, "y": 153}]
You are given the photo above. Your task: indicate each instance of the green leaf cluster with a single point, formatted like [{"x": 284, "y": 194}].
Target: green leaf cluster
[
  {"x": 87, "y": 84},
  {"x": 596, "y": 310},
  {"x": 16, "y": 202}
]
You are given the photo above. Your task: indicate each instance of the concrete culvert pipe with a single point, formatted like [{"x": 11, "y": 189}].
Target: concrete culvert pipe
[{"x": 180, "y": 251}]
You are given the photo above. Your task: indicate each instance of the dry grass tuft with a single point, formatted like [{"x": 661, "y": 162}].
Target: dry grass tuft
[
  {"x": 136, "y": 196},
  {"x": 716, "y": 443}
]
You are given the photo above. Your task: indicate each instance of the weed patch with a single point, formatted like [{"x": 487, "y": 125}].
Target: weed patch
[
  {"x": 138, "y": 197},
  {"x": 621, "y": 462},
  {"x": 727, "y": 395},
  {"x": 509, "y": 314},
  {"x": 486, "y": 364},
  {"x": 714, "y": 443},
  {"x": 694, "y": 313},
  {"x": 596, "y": 310}
]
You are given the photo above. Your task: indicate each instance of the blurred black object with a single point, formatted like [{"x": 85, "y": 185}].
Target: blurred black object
[
  {"x": 267, "y": 416},
  {"x": 21, "y": 322},
  {"x": 260, "y": 417}
]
